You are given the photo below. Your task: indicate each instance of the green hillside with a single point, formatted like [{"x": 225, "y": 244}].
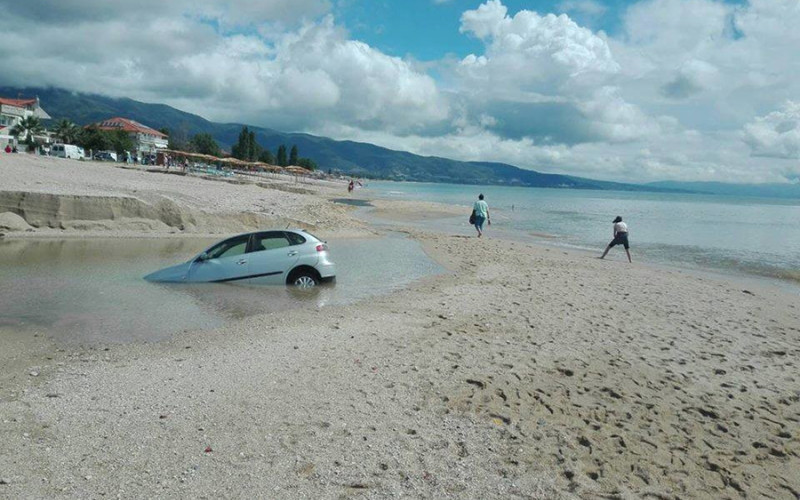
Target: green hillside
[{"x": 348, "y": 157}]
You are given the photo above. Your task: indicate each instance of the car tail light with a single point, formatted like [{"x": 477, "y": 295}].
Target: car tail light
[{"x": 322, "y": 247}]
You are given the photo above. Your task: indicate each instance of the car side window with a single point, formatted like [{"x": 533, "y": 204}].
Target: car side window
[
  {"x": 229, "y": 248},
  {"x": 269, "y": 241},
  {"x": 294, "y": 238}
]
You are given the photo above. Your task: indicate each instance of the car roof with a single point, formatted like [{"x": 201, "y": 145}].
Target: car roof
[{"x": 301, "y": 232}]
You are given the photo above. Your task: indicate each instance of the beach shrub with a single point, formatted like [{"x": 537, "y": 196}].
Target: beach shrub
[
  {"x": 92, "y": 138},
  {"x": 204, "y": 143},
  {"x": 307, "y": 163},
  {"x": 281, "y": 158}
]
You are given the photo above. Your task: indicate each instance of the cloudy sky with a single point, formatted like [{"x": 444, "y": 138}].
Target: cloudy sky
[{"x": 618, "y": 90}]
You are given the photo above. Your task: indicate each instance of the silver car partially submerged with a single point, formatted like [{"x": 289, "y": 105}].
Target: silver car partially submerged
[{"x": 284, "y": 256}]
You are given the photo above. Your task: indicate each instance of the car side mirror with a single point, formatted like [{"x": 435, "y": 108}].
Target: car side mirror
[{"x": 202, "y": 257}]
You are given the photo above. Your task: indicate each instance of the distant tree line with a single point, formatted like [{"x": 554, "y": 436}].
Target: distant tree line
[
  {"x": 202, "y": 143},
  {"x": 92, "y": 138},
  {"x": 248, "y": 149}
]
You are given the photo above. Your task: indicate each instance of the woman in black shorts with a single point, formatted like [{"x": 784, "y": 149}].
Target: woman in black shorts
[{"x": 620, "y": 237}]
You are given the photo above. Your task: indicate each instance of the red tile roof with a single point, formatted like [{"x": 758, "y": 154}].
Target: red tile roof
[
  {"x": 128, "y": 126},
  {"x": 20, "y": 103}
]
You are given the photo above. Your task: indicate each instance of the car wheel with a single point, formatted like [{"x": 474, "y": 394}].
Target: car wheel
[{"x": 305, "y": 279}]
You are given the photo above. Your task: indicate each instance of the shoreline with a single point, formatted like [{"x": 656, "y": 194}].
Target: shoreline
[
  {"x": 525, "y": 371},
  {"x": 333, "y": 192},
  {"x": 434, "y": 210}
]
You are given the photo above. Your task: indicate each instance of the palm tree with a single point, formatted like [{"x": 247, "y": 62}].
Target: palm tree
[
  {"x": 27, "y": 128},
  {"x": 66, "y": 131}
]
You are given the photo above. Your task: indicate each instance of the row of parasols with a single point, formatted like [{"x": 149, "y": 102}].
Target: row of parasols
[{"x": 234, "y": 162}]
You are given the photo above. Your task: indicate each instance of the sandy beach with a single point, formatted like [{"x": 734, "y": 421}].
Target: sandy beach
[{"x": 522, "y": 372}]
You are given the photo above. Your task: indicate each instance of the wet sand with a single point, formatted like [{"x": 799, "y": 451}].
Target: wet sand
[
  {"x": 415, "y": 211},
  {"x": 523, "y": 372}
]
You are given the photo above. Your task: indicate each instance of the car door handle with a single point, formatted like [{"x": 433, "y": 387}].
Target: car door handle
[
  {"x": 292, "y": 253},
  {"x": 241, "y": 261}
]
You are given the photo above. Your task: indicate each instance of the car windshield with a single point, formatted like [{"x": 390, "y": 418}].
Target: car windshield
[{"x": 229, "y": 248}]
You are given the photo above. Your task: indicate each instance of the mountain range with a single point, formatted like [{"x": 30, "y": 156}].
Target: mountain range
[
  {"x": 349, "y": 157},
  {"x": 741, "y": 190}
]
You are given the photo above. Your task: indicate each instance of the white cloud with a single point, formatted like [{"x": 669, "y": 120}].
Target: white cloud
[
  {"x": 296, "y": 77},
  {"x": 533, "y": 58},
  {"x": 673, "y": 29},
  {"x": 682, "y": 49},
  {"x": 687, "y": 89},
  {"x": 616, "y": 120},
  {"x": 532, "y": 52},
  {"x": 691, "y": 78},
  {"x": 678, "y": 155},
  {"x": 667, "y": 99},
  {"x": 776, "y": 135},
  {"x": 585, "y": 7}
]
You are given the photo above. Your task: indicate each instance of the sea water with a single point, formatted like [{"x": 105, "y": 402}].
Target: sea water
[
  {"x": 89, "y": 291},
  {"x": 745, "y": 236}
]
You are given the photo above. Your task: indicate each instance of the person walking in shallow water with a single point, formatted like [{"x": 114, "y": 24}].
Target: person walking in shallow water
[
  {"x": 620, "y": 237},
  {"x": 481, "y": 209}
]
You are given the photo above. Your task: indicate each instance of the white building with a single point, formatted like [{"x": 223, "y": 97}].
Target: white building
[
  {"x": 12, "y": 111},
  {"x": 145, "y": 139}
]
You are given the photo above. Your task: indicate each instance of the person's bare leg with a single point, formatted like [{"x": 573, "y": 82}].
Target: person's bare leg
[
  {"x": 629, "y": 255},
  {"x": 606, "y": 251}
]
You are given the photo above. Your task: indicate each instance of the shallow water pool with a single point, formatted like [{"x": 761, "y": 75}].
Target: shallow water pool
[{"x": 92, "y": 291}]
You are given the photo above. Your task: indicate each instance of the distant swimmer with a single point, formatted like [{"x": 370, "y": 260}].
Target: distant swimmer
[
  {"x": 620, "y": 237},
  {"x": 481, "y": 211}
]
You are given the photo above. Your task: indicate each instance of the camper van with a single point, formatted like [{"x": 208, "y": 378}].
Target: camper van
[{"x": 67, "y": 151}]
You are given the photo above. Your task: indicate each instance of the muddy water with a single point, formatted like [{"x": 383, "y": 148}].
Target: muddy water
[{"x": 92, "y": 291}]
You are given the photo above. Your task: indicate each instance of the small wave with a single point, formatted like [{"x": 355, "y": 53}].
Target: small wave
[
  {"x": 544, "y": 235},
  {"x": 356, "y": 202},
  {"x": 765, "y": 265},
  {"x": 789, "y": 275}
]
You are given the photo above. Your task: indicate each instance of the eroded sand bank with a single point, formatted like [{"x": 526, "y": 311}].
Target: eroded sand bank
[
  {"x": 58, "y": 197},
  {"x": 524, "y": 372}
]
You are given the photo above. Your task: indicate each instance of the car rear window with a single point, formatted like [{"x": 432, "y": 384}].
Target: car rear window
[
  {"x": 318, "y": 239},
  {"x": 269, "y": 241}
]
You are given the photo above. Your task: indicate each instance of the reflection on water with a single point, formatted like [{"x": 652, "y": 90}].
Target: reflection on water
[{"x": 92, "y": 290}]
